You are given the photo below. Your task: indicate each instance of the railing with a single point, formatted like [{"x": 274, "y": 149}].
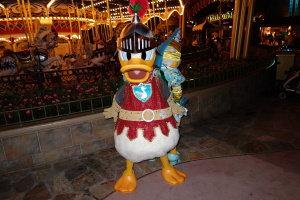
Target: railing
[
  {"x": 54, "y": 79},
  {"x": 196, "y": 76},
  {"x": 31, "y": 114},
  {"x": 214, "y": 72}
]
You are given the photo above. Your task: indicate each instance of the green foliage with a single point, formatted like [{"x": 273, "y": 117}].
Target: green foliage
[
  {"x": 52, "y": 102},
  {"x": 16, "y": 107},
  {"x": 135, "y": 7}
]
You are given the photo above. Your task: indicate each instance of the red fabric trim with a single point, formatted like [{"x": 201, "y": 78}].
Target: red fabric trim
[
  {"x": 156, "y": 101},
  {"x": 148, "y": 127}
]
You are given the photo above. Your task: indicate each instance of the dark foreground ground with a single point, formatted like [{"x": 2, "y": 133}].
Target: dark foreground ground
[{"x": 252, "y": 152}]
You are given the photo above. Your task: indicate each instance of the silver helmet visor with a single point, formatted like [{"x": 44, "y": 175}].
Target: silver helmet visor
[{"x": 136, "y": 43}]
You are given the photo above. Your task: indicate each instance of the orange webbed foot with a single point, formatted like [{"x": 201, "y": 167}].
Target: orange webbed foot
[
  {"x": 173, "y": 176},
  {"x": 126, "y": 183}
]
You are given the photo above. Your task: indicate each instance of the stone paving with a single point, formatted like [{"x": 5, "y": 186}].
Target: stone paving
[{"x": 261, "y": 126}]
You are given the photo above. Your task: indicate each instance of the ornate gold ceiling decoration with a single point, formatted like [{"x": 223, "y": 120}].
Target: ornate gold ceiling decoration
[{"x": 93, "y": 12}]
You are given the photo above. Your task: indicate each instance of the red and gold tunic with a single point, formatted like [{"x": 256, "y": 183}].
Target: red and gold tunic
[
  {"x": 141, "y": 140},
  {"x": 155, "y": 102}
]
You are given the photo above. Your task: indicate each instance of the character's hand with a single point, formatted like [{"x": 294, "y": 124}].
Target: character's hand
[
  {"x": 108, "y": 113},
  {"x": 183, "y": 101},
  {"x": 176, "y": 108},
  {"x": 113, "y": 111}
]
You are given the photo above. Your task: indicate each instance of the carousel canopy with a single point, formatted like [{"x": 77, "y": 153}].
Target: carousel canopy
[
  {"x": 117, "y": 8},
  {"x": 74, "y": 18}
]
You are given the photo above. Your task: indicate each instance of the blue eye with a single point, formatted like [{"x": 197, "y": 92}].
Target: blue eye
[
  {"x": 149, "y": 55},
  {"x": 124, "y": 55}
]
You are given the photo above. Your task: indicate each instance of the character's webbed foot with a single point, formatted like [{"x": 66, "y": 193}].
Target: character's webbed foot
[
  {"x": 126, "y": 184},
  {"x": 173, "y": 176}
]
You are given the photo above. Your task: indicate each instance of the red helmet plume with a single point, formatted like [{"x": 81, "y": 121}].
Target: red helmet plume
[{"x": 138, "y": 6}]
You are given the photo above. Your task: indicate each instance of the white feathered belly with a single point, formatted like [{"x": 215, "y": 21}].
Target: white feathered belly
[{"x": 140, "y": 148}]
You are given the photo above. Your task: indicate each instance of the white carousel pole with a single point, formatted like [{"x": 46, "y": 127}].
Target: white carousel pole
[
  {"x": 121, "y": 14},
  {"x": 30, "y": 18},
  {"x": 183, "y": 27},
  {"x": 7, "y": 14},
  {"x": 86, "y": 32},
  {"x": 106, "y": 32},
  {"x": 93, "y": 28},
  {"x": 71, "y": 28},
  {"x": 149, "y": 23},
  {"x": 75, "y": 14},
  {"x": 79, "y": 31},
  {"x": 94, "y": 17},
  {"x": 79, "y": 26},
  {"x": 101, "y": 30},
  {"x": 108, "y": 13},
  {"x": 28, "y": 24},
  {"x": 25, "y": 25}
]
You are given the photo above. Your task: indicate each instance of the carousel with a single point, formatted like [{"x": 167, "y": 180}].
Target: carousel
[{"x": 45, "y": 35}]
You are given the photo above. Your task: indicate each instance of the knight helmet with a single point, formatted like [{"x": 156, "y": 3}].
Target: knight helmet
[{"x": 137, "y": 48}]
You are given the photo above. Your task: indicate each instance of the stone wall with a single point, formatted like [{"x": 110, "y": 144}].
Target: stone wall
[
  {"x": 215, "y": 99},
  {"x": 50, "y": 142}
]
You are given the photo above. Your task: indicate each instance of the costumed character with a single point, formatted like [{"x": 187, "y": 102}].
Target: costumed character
[
  {"x": 168, "y": 61},
  {"x": 143, "y": 108}
]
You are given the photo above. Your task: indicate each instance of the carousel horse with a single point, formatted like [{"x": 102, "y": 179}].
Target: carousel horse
[
  {"x": 68, "y": 60},
  {"x": 35, "y": 58},
  {"x": 111, "y": 49},
  {"x": 88, "y": 48},
  {"x": 74, "y": 61},
  {"x": 99, "y": 56}
]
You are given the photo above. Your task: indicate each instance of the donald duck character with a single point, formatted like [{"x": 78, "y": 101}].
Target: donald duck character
[{"x": 143, "y": 108}]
